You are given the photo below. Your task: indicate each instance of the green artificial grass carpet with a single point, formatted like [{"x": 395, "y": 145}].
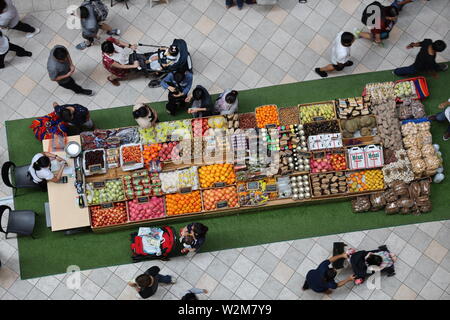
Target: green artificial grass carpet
[{"x": 53, "y": 252}]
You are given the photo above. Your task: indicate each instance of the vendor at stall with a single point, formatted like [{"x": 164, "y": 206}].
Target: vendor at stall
[
  {"x": 145, "y": 115},
  {"x": 75, "y": 115},
  {"x": 443, "y": 116},
  {"x": 227, "y": 102},
  {"x": 200, "y": 103},
  {"x": 40, "y": 169}
]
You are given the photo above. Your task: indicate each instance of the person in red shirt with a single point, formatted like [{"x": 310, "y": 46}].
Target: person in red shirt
[
  {"x": 115, "y": 58},
  {"x": 388, "y": 19}
]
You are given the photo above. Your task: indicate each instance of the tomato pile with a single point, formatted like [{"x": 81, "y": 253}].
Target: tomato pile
[
  {"x": 267, "y": 115},
  {"x": 152, "y": 209},
  {"x": 132, "y": 153},
  {"x": 208, "y": 175},
  {"x": 183, "y": 203},
  {"x": 101, "y": 217},
  {"x": 212, "y": 196}
]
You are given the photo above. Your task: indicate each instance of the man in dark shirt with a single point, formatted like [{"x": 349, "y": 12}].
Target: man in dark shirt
[
  {"x": 322, "y": 279},
  {"x": 146, "y": 284},
  {"x": 426, "y": 58},
  {"x": 75, "y": 115}
]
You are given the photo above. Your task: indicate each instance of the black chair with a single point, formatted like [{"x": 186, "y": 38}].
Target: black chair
[
  {"x": 19, "y": 221},
  {"x": 20, "y": 174}
]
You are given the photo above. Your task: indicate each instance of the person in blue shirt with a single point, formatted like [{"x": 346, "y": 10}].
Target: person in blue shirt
[
  {"x": 178, "y": 83},
  {"x": 321, "y": 280}
]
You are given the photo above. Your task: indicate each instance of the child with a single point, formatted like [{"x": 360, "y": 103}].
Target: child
[
  {"x": 340, "y": 54},
  {"x": 187, "y": 241}
]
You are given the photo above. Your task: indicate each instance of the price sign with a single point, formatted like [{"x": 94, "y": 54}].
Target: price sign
[
  {"x": 222, "y": 204},
  {"x": 107, "y": 205},
  {"x": 185, "y": 190},
  {"x": 95, "y": 168},
  {"x": 219, "y": 184},
  {"x": 254, "y": 185},
  {"x": 318, "y": 118},
  {"x": 271, "y": 126},
  {"x": 259, "y": 177},
  {"x": 99, "y": 184},
  {"x": 142, "y": 199},
  {"x": 306, "y": 155},
  {"x": 113, "y": 140},
  {"x": 130, "y": 163},
  {"x": 271, "y": 188}
]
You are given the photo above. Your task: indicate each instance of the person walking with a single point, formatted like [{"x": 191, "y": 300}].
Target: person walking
[
  {"x": 6, "y": 46},
  {"x": 240, "y": 3},
  {"x": 443, "y": 116},
  {"x": 340, "y": 54},
  {"x": 91, "y": 23},
  {"x": 9, "y": 19},
  {"x": 147, "y": 283},
  {"x": 75, "y": 115},
  {"x": 60, "y": 69},
  {"x": 425, "y": 59},
  {"x": 179, "y": 84},
  {"x": 191, "y": 294},
  {"x": 321, "y": 280}
]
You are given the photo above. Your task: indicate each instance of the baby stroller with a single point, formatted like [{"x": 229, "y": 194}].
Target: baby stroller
[
  {"x": 167, "y": 245},
  {"x": 183, "y": 61}
]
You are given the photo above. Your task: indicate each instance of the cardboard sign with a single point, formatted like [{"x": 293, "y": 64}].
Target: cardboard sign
[
  {"x": 185, "y": 190},
  {"x": 271, "y": 188},
  {"x": 271, "y": 126},
  {"x": 95, "y": 168},
  {"x": 219, "y": 184},
  {"x": 254, "y": 185},
  {"x": 107, "y": 205},
  {"x": 130, "y": 163},
  {"x": 222, "y": 204},
  {"x": 99, "y": 184},
  {"x": 306, "y": 155},
  {"x": 142, "y": 199}
]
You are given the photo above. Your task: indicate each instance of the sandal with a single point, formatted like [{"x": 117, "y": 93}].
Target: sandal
[{"x": 114, "y": 82}]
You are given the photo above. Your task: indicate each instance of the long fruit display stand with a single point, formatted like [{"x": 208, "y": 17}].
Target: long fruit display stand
[{"x": 272, "y": 158}]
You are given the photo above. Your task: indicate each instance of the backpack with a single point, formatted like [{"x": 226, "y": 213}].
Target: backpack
[
  {"x": 100, "y": 9},
  {"x": 366, "y": 14}
]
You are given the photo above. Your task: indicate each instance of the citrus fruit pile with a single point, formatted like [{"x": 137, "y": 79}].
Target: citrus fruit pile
[
  {"x": 267, "y": 115},
  {"x": 209, "y": 175},
  {"x": 151, "y": 152},
  {"x": 365, "y": 180},
  {"x": 183, "y": 203},
  {"x": 228, "y": 196}
]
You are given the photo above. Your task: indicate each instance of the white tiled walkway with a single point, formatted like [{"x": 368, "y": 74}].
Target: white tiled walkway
[{"x": 255, "y": 47}]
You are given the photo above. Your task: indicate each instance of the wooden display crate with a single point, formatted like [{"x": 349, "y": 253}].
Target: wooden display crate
[{"x": 305, "y": 105}]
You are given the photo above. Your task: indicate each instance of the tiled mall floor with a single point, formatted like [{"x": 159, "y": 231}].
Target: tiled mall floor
[{"x": 255, "y": 47}]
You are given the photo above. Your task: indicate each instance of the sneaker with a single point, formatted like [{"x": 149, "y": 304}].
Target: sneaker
[
  {"x": 357, "y": 32},
  {"x": 323, "y": 74},
  {"x": 81, "y": 46},
  {"x": 348, "y": 63},
  {"x": 32, "y": 34},
  {"x": 445, "y": 137},
  {"x": 443, "y": 66},
  {"x": 114, "y": 32},
  {"x": 87, "y": 92},
  {"x": 25, "y": 54},
  {"x": 173, "y": 281}
]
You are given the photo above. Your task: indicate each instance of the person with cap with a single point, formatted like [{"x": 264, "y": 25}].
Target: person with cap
[
  {"x": 9, "y": 19},
  {"x": 227, "y": 102},
  {"x": 145, "y": 116},
  {"x": 321, "y": 280},
  {"x": 200, "y": 103},
  {"x": 6, "y": 46}
]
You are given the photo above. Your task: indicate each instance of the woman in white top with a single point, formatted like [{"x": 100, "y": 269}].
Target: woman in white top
[
  {"x": 9, "y": 18},
  {"x": 40, "y": 169},
  {"x": 144, "y": 115},
  {"x": 6, "y": 46},
  {"x": 340, "y": 54}
]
